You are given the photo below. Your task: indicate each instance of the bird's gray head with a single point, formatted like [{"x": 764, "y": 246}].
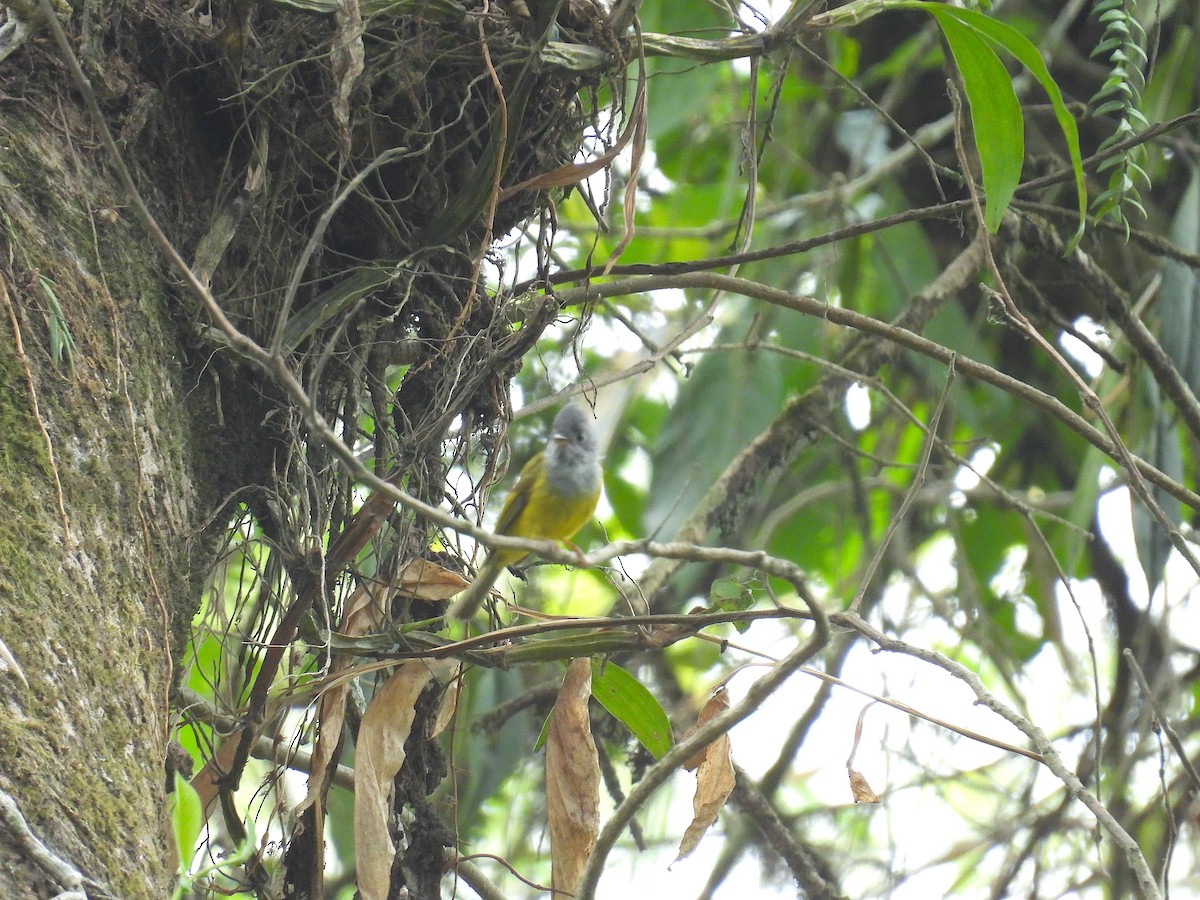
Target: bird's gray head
[{"x": 571, "y": 463}]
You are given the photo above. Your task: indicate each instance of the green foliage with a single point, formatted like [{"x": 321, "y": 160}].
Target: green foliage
[
  {"x": 682, "y": 92},
  {"x": 187, "y": 824},
  {"x": 62, "y": 345},
  {"x": 995, "y": 112},
  {"x": 1120, "y": 97},
  {"x": 974, "y": 39},
  {"x": 1164, "y": 442},
  {"x": 628, "y": 701}
]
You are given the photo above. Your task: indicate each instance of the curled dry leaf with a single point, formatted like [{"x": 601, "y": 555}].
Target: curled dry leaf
[
  {"x": 572, "y": 779},
  {"x": 715, "y": 779},
  {"x": 426, "y": 580},
  {"x": 860, "y": 789},
  {"x": 379, "y": 754},
  {"x": 362, "y": 613}
]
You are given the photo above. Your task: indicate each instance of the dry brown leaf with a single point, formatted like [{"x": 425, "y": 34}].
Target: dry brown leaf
[
  {"x": 715, "y": 780},
  {"x": 572, "y": 779},
  {"x": 860, "y": 789},
  {"x": 639, "y": 119},
  {"x": 426, "y": 580},
  {"x": 717, "y": 704},
  {"x": 360, "y": 615},
  {"x": 331, "y": 716},
  {"x": 379, "y": 754}
]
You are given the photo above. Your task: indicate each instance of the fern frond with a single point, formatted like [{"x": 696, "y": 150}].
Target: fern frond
[{"x": 1120, "y": 95}]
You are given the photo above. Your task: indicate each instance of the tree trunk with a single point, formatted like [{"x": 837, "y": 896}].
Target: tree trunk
[{"x": 110, "y": 467}]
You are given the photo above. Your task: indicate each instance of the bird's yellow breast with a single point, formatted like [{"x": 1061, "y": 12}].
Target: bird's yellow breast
[{"x": 533, "y": 509}]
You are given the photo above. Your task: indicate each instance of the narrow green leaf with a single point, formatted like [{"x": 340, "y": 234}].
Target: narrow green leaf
[
  {"x": 543, "y": 735},
  {"x": 1083, "y": 501},
  {"x": 62, "y": 344},
  {"x": 995, "y": 113},
  {"x": 1105, "y": 46},
  {"x": 187, "y": 820},
  {"x": 1111, "y": 106},
  {"x": 1030, "y": 57},
  {"x": 628, "y": 701}
]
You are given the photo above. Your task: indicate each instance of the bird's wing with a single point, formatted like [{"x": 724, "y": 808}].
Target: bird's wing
[{"x": 518, "y": 497}]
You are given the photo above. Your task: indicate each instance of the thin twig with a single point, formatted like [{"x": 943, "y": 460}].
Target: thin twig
[
  {"x": 1133, "y": 854},
  {"x": 1163, "y": 722},
  {"x": 704, "y": 734},
  {"x": 910, "y": 495}
]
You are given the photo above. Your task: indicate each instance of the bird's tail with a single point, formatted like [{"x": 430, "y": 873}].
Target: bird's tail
[{"x": 467, "y": 603}]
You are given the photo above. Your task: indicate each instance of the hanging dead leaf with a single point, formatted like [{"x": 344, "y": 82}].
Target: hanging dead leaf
[
  {"x": 379, "y": 754},
  {"x": 572, "y": 779},
  {"x": 717, "y": 704},
  {"x": 425, "y": 580},
  {"x": 638, "y": 118},
  {"x": 715, "y": 780},
  {"x": 361, "y": 614},
  {"x": 860, "y": 789}
]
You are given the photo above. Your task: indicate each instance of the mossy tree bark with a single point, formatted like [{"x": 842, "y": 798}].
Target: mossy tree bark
[{"x": 110, "y": 467}]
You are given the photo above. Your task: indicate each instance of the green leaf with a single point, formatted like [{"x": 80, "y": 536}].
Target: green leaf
[
  {"x": 628, "y": 701},
  {"x": 1026, "y": 53},
  {"x": 62, "y": 344},
  {"x": 187, "y": 821},
  {"x": 1111, "y": 106},
  {"x": 706, "y": 428},
  {"x": 731, "y": 595},
  {"x": 1084, "y": 498},
  {"x": 995, "y": 113}
]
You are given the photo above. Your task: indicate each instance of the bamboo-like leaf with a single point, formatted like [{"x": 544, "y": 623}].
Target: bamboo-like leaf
[
  {"x": 62, "y": 344},
  {"x": 995, "y": 114},
  {"x": 1000, "y": 35}
]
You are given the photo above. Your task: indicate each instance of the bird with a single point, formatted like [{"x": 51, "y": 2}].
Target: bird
[{"x": 555, "y": 495}]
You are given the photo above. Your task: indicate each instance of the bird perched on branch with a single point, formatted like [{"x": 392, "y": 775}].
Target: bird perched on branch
[{"x": 555, "y": 495}]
